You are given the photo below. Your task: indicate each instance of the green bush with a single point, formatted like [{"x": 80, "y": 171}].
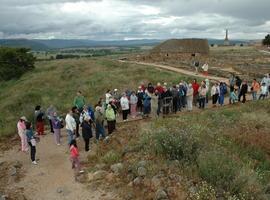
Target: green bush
[
  {"x": 111, "y": 157},
  {"x": 14, "y": 62},
  {"x": 217, "y": 168},
  {"x": 179, "y": 145}
]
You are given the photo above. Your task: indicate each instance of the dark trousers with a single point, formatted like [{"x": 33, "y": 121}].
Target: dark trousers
[
  {"x": 202, "y": 102},
  {"x": 125, "y": 114},
  {"x": 50, "y": 121},
  {"x": 262, "y": 96},
  {"x": 32, "y": 151},
  {"x": 214, "y": 99},
  {"x": 111, "y": 126},
  {"x": 244, "y": 97},
  {"x": 77, "y": 130},
  {"x": 86, "y": 142},
  {"x": 175, "y": 104}
]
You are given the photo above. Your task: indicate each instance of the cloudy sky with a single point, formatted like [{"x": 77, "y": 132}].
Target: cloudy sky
[{"x": 134, "y": 19}]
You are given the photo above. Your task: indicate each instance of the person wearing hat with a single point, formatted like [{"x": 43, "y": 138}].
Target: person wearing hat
[
  {"x": 125, "y": 106},
  {"x": 100, "y": 132},
  {"x": 22, "y": 133}
]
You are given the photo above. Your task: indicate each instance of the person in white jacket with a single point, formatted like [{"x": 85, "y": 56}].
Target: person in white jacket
[
  {"x": 214, "y": 94},
  {"x": 70, "y": 126},
  {"x": 264, "y": 91},
  {"x": 125, "y": 106},
  {"x": 205, "y": 69}
]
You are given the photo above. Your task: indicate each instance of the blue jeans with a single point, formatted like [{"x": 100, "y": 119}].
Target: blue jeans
[
  {"x": 254, "y": 96},
  {"x": 221, "y": 100},
  {"x": 100, "y": 131},
  {"x": 70, "y": 136}
]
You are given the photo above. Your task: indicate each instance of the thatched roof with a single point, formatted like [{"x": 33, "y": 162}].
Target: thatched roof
[{"x": 182, "y": 46}]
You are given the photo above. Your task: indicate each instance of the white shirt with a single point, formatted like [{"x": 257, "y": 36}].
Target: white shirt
[
  {"x": 124, "y": 103},
  {"x": 70, "y": 122},
  {"x": 108, "y": 97},
  {"x": 205, "y": 67},
  {"x": 264, "y": 90}
]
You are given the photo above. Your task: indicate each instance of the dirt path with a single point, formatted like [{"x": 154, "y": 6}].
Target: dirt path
[
  {"x": 52, "y": 178},
  {"x": 182, "y": 71}
]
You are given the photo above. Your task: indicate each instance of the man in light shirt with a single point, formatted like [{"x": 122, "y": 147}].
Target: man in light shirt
[{"x": 70, "y": 126}]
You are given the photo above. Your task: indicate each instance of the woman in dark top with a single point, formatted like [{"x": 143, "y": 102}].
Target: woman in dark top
[
  {"x": 31, "y": 141},
  {"x": 86, "y": 131}
]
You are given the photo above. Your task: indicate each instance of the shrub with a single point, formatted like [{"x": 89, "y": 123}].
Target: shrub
[
  {"x": 111, "y": 157},
  {"x": 204, "y": 192},
  {"x": 217, "y": 168},
  {"x": 179, "y": 145},
  {"x": 14, "y": 62}
]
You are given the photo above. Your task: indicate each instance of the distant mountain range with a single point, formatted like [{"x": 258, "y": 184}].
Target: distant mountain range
[{"x": 44, "y": 45}]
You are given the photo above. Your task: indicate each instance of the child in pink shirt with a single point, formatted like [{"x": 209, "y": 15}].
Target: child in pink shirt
[{"x": 74, "y": 157}]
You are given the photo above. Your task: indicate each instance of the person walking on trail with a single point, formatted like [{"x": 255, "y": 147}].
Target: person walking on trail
[
  {"x": 87, "y": 132},
  {"x": 133, "y": 104},
  {"x": 205, "y": 68},
  {"x": 124, "y": 102},
  {"x": 222, "y": 93},
  {"x": 196, "y": 65},
  {"x": 154, "y": 104},
  {"x": 57, "y": 125},
  {"x": 70, "y": 126},
  {"x": 189, "y": 97},
  {"x": 255, "y": 88},
  {"x": 32, "y": 141},
  {"x": 214, "y": 94},
  {"x": 263, "y": 91},
  {"x": 202, "y": 95},
  {"x": 108, "y": 97},
  {"x": 39, "y": 119},
  {"x": 110, "y": 117},
  {"x": 182, "y": 95},
  {"x": 74, "y": 158},
  {"x": 22, "y": 133},
  {"x": 76, "y": 116},
  {"x": 50, "y": 111},
  {"x": 195, "y": 87},
  {"x": 99, "y": 121},
  {"x": 79, "y": 101},
  {"x": 266, "y": 80},
  {"x": 243, "y": 91}
]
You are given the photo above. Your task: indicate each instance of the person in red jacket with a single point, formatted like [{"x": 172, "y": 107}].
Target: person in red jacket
[
  {"x": 195, "y": 87},
  {"x": 74, "y": 157}
]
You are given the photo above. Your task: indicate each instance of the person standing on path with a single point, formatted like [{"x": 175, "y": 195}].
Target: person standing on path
[
  {"x": 100, "y": 132},
  {"x": 110, "y": 117},
  {"x": 50, "y": 111},
  {"x": 243, "y": 91},
  {"x": 195, "y": 87},
  {"x": 215, "y": 93},
  {"x": 205, "y": 68},
  {"x": 74, "y": 157},
  {"x": 202, "y": 95},
  {"x": 133, "y": 104},
  {"x": 22, "y": 133},
  {"x": 39, "y": 119},
  {"x": 255, "y": 88},
  {"x": 76, "y": 116},
  {"x": 189, "y": 97},
  {"x": 222, "y": 93},
  {"x": 79, "y": 101},
  {"x": 125, "y": 106},
  {"x": 87, "y": 131},
  {"x": 57, "y": 125},
  {"x": 263, "y": 91},
  {"x": 31, "y": 141},
  {"x": 70, "y": 126}
]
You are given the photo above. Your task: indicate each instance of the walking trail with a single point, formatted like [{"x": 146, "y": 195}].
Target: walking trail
[
  {"x": 182, "y": 71},
  {"x": 52, "y": 178}
]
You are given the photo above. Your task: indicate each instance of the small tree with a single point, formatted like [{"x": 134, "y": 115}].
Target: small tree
[
  {"x": 14, "y": 62},
  {"x": 266, "y": 40}
]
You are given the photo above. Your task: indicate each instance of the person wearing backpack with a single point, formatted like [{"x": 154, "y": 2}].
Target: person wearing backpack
[{"x": 243, "y": 91}]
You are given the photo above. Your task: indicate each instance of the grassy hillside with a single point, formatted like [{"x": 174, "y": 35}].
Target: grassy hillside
[
  {"x": 219, "y": 153},
  {"x": 56, "y": 82}
]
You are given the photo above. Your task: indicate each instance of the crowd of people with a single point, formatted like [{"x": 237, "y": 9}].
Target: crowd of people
[{"x": 148, "y": 101}]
